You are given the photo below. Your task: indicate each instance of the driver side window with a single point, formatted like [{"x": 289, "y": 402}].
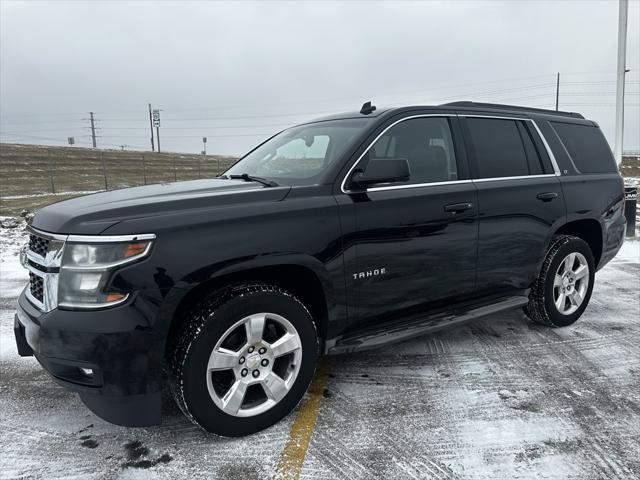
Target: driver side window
[{"x": 427, "y": 145}]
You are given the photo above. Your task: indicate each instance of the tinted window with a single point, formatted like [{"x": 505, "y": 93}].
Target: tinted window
[
  {"x": 587, "y": 147},
  {"x": 533, "y": 158},
  {"x": 498, "y": 147},
  {"x": 427, "y": 145},
  {"x": 545, "y": 161}
]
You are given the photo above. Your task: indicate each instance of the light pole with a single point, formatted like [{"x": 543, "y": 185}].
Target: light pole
[
  {"x": 557, "y": 90},
  {"x": 622, "y": 54}
]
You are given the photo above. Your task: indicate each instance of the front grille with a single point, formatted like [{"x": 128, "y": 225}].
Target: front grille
[
  {"x": 38, "y": 245},
  {"x": 42, "y": 259},
  {"x": 36, "y": 286}
]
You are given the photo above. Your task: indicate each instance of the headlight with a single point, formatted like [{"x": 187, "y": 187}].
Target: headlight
[{"x": 85, "y": 271}]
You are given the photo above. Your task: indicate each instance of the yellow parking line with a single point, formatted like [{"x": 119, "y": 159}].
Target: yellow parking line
[{"x": 295, "y": 450}]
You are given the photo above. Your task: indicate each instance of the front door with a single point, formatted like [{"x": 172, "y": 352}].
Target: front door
[{"x": 413, "y": 244}]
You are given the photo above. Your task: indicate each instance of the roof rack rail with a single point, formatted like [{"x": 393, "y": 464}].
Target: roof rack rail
[{"x": 498, "y": 106}]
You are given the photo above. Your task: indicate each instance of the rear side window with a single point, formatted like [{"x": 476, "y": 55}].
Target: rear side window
[
  {"x": 587, "y": 147},
  {"x": 498, "y": 147},
  {"x": 533, "y": 158}
]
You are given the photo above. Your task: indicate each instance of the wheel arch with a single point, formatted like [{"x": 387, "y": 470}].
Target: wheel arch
[
  {"x": 589, "y": 230},
  {"x": 303, "y": 276}
]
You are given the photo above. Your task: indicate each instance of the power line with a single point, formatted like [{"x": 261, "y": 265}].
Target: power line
[
  {"x": 196, "y": 136},
  {"x": 64, "y": 141},
  {"x": 601, "y": 104},
  {"x": 351, "y": 98},
  {"x": 204, "y": 126},
  {"x": 34, "y": 137},
  {"x": 542, "y": 89},
  {"x": 448, "y": 87},
  {"x": 266, "y": 125},
  {"x": 293, "y": 114}
]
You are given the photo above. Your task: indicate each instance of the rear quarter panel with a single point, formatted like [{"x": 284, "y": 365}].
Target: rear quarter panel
[{"x": 599, "y": 197}]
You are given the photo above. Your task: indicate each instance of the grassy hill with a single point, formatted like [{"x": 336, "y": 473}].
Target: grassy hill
[{"x": 32, "y": 176}]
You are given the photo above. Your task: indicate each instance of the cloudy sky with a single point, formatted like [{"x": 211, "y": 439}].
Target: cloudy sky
[{"x": 237, "y": 72}]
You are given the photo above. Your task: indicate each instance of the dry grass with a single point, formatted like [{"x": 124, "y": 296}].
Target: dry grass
[
  {"x": 630, "y": 166},
  {"x": 32, "y": 176}
]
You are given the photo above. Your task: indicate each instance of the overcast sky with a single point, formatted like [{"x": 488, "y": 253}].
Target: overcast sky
[{"x": 237, "y": 72}]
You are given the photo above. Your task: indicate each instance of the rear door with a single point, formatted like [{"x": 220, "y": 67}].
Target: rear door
[{"x": 520, "y": 201}]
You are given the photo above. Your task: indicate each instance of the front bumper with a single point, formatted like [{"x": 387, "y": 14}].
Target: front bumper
[{"x": 112, "y": 358}]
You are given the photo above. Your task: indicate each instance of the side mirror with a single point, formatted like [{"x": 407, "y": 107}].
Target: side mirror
[{"x": 382, "y": 170}]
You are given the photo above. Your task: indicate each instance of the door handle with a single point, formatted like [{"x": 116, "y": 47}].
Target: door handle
[
  {"x": 547, "y": 196},
  {"x": 458, "y": 207}
]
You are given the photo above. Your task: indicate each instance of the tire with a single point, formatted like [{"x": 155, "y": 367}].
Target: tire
[
  {"x": 546, "y": 305},
  {"x": 218, "y": 324}
]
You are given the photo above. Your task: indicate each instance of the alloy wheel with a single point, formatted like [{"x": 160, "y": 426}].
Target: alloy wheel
[
  {"x": 570, "y": 283},
  {"x": 254, "y": 364}
]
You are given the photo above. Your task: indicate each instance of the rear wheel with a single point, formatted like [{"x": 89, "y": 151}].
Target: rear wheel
[
  {"x": 563, "y": 288},
  {"x": 243, "y": 359}
]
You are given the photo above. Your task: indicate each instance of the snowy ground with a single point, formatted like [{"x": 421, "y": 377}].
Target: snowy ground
[{"x": 497, "y": 399}]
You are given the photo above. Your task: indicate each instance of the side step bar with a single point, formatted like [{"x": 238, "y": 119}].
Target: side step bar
[{"x": 405, "y": 330}]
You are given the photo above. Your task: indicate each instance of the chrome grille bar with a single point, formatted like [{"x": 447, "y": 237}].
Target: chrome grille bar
[{"x": 42, "y": 258}]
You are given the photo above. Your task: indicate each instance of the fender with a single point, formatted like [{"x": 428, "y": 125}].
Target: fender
[{"x": 175, "y": 296}]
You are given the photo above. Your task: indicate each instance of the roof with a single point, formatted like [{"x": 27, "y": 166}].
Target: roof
[
  {"x": 484, "y": 107},
  {"x": 347, "y": 115},
  {"x": 513, "y": 108}
]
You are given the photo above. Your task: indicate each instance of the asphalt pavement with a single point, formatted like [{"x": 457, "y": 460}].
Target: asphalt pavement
[{"x": 497, "y": 399}]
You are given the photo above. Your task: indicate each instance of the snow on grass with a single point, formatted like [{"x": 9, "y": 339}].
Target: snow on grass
[
  {"x": 48, "y": 194},
  {"x": 13, "y": 276}
]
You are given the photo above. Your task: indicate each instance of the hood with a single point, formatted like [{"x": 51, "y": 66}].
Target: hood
[{"x": 93, "y": 214}]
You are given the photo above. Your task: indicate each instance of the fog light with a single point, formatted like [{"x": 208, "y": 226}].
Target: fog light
[{"x": 87, "y": 371}]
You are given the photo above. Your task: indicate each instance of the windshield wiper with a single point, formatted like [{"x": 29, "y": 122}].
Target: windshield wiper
[{"x": 250, "y": 178}]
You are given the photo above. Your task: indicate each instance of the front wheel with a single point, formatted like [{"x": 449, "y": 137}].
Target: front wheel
[
  {"x": 243, "y": 359},
  {"x": 563, "y": 288}
]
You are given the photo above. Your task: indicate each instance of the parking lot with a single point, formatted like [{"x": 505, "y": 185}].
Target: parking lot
[{"x": 497, "y": 399}]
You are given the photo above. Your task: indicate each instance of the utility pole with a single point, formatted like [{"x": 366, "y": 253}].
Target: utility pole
[
  {"x": 623, "y": 6},
  {"x": 153, "y": 149},
  {"x": 93, "y": 129},
  {"x": 557, "y": 90},
  {"x": 204, "y": 145},
  {"x": 156, "y": 123}
]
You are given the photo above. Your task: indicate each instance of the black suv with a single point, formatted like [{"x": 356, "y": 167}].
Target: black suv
[{"x": 341, "y": 234}]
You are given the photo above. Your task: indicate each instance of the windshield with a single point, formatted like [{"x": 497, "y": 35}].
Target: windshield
[{"x": 300, "y": 155}]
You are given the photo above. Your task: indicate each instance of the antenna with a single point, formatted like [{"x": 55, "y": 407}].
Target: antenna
[{"x": 367, "y": 108}]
